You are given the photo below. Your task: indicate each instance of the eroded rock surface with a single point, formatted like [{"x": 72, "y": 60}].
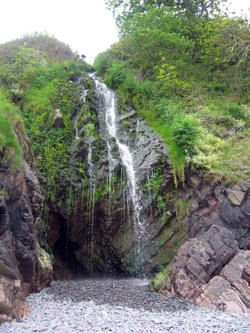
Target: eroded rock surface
[
  {"x": 20, "y": 211},
  {"x": 213, "y": 266}
]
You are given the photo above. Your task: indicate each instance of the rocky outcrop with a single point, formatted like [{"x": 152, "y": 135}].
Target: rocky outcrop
[
  {"x": 20, "y": 213},
  {"x": 230, "y": 290},
  {"x": 212, "y": 267}
]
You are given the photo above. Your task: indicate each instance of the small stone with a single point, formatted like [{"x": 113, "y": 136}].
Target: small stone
[{"x": 235, "y": 196}]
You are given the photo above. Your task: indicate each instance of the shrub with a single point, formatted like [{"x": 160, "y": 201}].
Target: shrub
[
  {"x": 185, "y": 131},
  {"x": 102, "y": 64},
  {"x": 237, "y": 111},
  {"x": 116, "y": 76}
]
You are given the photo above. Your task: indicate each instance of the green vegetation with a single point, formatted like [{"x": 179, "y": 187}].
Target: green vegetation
[
  {"x": 10, "y": 119},
  {"x": 187, "y": 73},
  {"x": 39, "y": 75},
  {"x": 159, "y": 281},
  {"x": 44, "y": 259}
]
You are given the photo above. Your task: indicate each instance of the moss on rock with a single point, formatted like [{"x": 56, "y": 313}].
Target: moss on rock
[{"x": 44, "y": 259}]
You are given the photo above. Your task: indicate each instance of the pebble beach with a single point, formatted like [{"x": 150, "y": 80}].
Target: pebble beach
[{"x": 119, "y": 306}]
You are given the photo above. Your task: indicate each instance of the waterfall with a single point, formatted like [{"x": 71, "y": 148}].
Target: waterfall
[{"x": 109, "y": 108}]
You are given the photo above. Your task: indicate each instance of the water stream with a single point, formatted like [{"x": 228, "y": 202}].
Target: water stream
[{"x": 109, "y": 106}]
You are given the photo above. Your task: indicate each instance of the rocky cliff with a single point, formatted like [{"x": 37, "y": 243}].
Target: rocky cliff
[
  {"x": 212, "y": 267},
  {"x": 24, "y": 266}
]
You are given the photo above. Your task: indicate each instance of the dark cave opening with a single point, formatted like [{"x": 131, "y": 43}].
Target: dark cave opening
[
  {"x": 89, "y": 258},
  {"x": 64, "y": 250}
]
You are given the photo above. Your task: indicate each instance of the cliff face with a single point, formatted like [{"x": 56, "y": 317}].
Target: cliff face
[
  {"x": 21, "y": 202},
  {"x": 212, "y": 267},
  {"x": 93, "y": 228}
]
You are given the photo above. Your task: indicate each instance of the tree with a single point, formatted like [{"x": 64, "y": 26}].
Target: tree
[{"x": 125, "y": 9}]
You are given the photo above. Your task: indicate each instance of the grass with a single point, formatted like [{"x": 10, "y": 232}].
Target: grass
[
  {"x": 234, "y": 161},
  {"x": 10, "y": 119},
  {"x": 176, "y": 154}
]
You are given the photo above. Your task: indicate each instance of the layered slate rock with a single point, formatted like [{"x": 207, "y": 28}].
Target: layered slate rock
[
  {"x": 230, "y": 290},
  {"x": 213, "y": 266},
  {"x": 20, "y": 211}
]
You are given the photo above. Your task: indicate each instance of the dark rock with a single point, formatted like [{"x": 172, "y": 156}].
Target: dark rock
[
  {"x": 58, "y": 119},
  {"x": 195, "y": 181},
  {"x": 20, "y": 211}
]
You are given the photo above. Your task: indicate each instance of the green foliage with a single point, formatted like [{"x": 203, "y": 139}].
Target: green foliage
[
  {"x": 9, "y": 121},
  {"x": 238, "y": 112},
  {"x": 159, "y": 281},
  {"x": 208, "y": 152},
  {"x": 102, "y": 63},
  {"x": 181, "y": 207},
  {"x": 44, "y": 259},
  {"x": 39, "y": 74},
  {"x": 156, "y": 180},
  {"x": 124, "y": 10},
  {"x": 185, "y": 133},
  {"x": 160, "y": 203},
  {"x": 189, "y": 78}
]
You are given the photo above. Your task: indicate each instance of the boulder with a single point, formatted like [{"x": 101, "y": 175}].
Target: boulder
[
  {"x": 12, "y": 299},
  {"x": 212, "y": 291},
  {"x": 199, "y": 259},
  {"x": 229, "y": 301}
]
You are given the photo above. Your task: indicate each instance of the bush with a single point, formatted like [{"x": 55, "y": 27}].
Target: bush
[
  {"x": 237, "y": 111},
  {"x": 185, "y": 131},
  {"x": 102, "y": 64},
  {"x": 116, "y": 76}
]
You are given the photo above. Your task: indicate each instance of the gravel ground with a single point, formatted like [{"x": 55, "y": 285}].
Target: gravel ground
[{"x": 119, "y": 306}]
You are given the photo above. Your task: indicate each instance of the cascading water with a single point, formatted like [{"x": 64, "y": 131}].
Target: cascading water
[{"x": 109, "y": 106}]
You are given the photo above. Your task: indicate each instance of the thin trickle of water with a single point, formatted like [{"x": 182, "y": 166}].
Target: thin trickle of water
[
  {"x": 91, "y": 207},
  {"x": 76, "y": 127},
  {"x": 149, "y": 195},
  {"x": 109, "y": 184},
  {"x": 83, "y": 95}
]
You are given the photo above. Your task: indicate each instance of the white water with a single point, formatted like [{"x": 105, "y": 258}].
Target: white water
[
  {"x": 125, "y": 154},
  {"x": 76, "y": 128}
]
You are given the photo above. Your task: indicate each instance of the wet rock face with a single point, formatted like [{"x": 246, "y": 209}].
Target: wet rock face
[
  {"x": 20, "y": 209},
  {"x": 213, "y": 266},
  {"x": 97, "y": 215}
]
